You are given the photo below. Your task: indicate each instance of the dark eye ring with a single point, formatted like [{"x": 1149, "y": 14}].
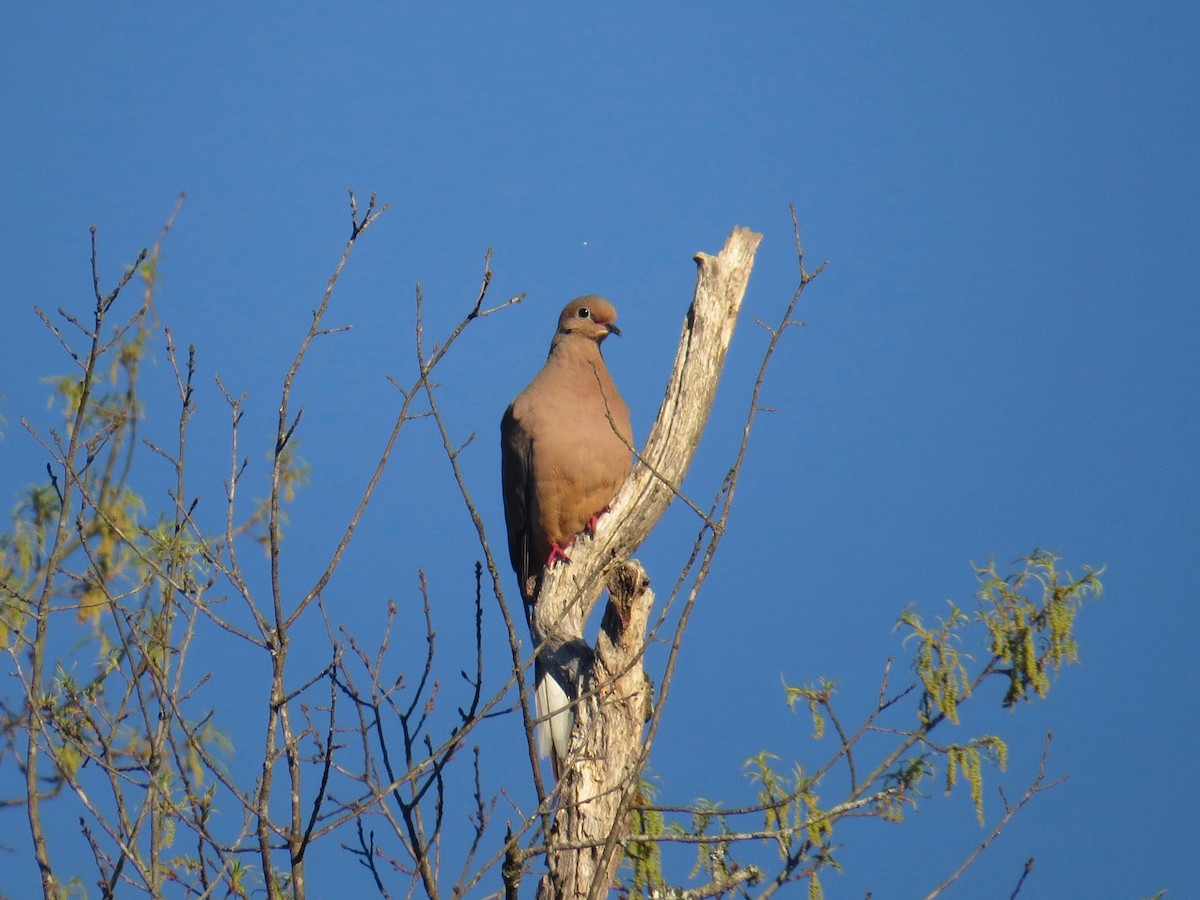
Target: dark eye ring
[{"x": 584, "y": 313}]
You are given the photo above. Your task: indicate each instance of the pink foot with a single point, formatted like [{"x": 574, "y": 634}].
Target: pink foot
[
  {"x": 590, "y": 527},
  {"x": 558, "y": 553}
]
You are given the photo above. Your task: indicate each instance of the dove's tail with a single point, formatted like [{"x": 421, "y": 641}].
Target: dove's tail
[{"x": 553, "y": 732}]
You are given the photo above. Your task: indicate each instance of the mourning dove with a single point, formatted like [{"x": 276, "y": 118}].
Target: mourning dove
[{"x": 565, "y": 450}]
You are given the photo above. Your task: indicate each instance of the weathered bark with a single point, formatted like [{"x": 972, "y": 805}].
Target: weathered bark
[
  {"x": 604, "y": 744},
  {"x": 609, "y": 680}
]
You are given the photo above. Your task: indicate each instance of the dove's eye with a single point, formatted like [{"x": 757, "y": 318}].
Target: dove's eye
[{"x": 584, "y": 313}]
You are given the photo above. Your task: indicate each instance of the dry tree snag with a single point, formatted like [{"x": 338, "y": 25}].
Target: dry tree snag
[{"x": 606, "y": 742}]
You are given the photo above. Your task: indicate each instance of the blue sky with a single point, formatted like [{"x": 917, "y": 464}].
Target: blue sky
[{"x": 1002, "y": 354}]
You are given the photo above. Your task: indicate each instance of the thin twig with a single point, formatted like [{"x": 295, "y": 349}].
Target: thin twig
[{"x": 1036, "y": 787}]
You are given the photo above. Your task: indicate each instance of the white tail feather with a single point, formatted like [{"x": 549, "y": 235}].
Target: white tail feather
[{"x": 553, "y": 732}]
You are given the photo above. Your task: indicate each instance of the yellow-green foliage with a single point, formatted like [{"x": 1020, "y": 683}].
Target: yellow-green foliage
[
  {"x": 79, "y": 569},
  {"x": 938, "y": 663},
  {"x": 1030, "y": 635},
  {"x": 791, "y": 807},
  {"x": 815, "y": 698},
  {"x": 968, "y": 760},
  {"x": 710, "y": 857},
  {"x": 644, "y": 858}
]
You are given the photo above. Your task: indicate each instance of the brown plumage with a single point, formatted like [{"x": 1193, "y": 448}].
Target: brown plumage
[
  {"x": 562, "y": 458},
  {"x": 565, "y": 450}
]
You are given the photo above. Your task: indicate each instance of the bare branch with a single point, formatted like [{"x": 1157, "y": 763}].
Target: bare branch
[{"x": 1036, "y": 787}]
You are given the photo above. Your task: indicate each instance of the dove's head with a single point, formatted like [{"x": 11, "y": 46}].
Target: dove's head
[{"x": 590, "y": 316}]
